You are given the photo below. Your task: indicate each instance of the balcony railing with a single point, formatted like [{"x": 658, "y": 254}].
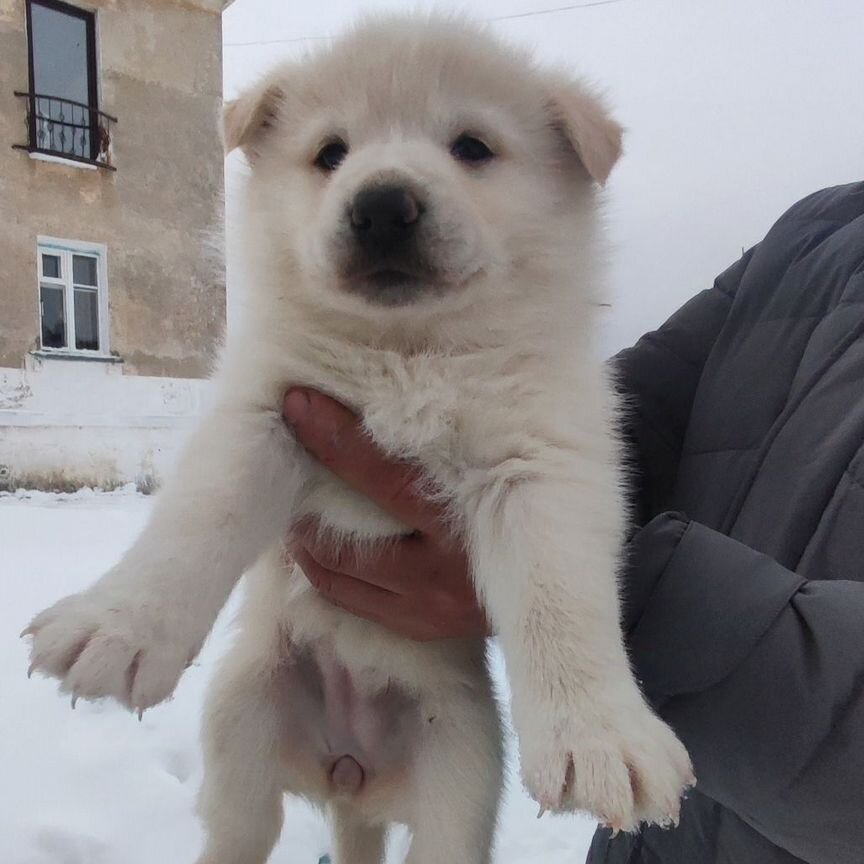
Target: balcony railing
[{"x": 71, "y": 130}]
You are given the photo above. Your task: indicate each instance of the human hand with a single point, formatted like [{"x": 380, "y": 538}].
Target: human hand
[{"x": 418, "y": 586}]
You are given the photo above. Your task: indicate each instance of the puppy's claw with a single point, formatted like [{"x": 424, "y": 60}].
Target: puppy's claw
[
  {"x": 29, "y": 630},
  {"x": 140, "y": 713},
  {"x": 541, "y": 811},
  {"x": 30, "y": 670},
  {"x": 74, "y": 702}
]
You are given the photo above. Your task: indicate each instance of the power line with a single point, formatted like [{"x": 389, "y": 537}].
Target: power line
[
  {"x": 553, "y": 11},
  {"x": 536, "y": 12}
]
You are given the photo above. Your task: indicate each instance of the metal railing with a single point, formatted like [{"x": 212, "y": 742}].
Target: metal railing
[{"x": 72, "y": 130}]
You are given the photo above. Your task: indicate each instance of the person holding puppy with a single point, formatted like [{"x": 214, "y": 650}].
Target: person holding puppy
[{"x": 744, "y": 577}]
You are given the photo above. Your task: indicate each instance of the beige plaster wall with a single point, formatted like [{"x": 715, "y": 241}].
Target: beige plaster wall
[{"x": 160, "y": 75}]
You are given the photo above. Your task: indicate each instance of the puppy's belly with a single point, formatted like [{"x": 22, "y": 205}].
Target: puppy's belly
[{"x": 347, "y": 739}]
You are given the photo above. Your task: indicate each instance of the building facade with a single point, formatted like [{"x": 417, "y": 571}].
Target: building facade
[{"x": 112, "y": 289}]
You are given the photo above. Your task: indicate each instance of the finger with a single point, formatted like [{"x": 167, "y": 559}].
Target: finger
[
  {"x": 336, "y": 438},
  {"x": 323, "y": 547},
  {"x": 397, "y": 565},
  {"x": 355, "y": 596},
  {"x": 401, "y": 615}
]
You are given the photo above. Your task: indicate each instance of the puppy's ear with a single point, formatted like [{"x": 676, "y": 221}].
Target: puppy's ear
[
  {"x": 582, "y": 118},
  {"x": 247, "y": 120}
]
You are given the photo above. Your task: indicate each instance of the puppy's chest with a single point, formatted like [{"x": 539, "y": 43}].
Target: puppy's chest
[
  {"x": 423, "y": 411},
  {"x": 421, "y": 417},
  {"x": 421, "y": 408}
]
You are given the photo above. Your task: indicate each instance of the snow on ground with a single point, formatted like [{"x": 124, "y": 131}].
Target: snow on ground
[{"x": 94, "y": 786}]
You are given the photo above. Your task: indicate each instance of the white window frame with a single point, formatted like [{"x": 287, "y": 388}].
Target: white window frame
[{"x": 65, "y": 249}]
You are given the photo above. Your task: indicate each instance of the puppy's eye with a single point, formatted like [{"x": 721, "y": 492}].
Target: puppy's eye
[
  {"x": 467, "y": 148},
  {"x": 331, "y": 155}
]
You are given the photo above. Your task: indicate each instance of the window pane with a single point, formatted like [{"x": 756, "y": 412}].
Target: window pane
[
  {"x": 86, "y": 320},
  {"x": 84, "y": 270},
  {"x": 51, "y": 266},
  {"x": 60, "y": 65},
  {"x": 53, "y": 317},
  {"x": 61, "y": 71}
]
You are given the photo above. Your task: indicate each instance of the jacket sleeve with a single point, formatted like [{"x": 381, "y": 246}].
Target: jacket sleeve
[
  {"x": 657, "y": 379},
  {"x": 761, "y": 673}
]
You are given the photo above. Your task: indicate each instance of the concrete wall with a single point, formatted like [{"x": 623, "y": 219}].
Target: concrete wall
[
  {"x": 71, "y": 423},
  {"x": 160, "y": 74}
]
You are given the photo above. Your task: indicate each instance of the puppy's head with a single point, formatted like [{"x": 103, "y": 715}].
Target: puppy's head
[{"x": 418, "y": 160}]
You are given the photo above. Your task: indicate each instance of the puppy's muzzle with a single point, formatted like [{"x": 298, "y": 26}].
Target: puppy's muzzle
[
  {"x": 384, "y": 221},
  {"x": 384, "y": 245}
]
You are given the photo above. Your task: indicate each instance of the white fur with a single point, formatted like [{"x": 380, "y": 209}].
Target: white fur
[{"x": 491, "y": 384}]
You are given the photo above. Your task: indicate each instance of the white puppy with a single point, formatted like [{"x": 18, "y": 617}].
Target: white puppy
[{"x": 419, "y": 240}]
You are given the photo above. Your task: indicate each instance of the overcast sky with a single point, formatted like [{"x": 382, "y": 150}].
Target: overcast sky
[{"x": 734, "y": 110}]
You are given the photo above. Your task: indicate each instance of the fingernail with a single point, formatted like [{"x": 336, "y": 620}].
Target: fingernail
[{"x": 296, "y": 406}]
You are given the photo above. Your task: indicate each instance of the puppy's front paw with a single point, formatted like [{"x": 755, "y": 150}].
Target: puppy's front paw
[
  {"x": 101, "y": 643},
  {"x": 622, "y": 769}
]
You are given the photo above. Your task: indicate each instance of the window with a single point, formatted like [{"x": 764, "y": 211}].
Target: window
[
  {"x": 73, "y": 296},
  {"x": 63, "y": 112}
]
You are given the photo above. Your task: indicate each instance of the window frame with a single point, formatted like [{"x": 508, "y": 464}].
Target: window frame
[
  {"x": 66, "y": 249},
  {"x": 89, "y": 18}
]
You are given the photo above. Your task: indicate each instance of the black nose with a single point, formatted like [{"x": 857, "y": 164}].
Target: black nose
[{"x": 383, "y": 218}]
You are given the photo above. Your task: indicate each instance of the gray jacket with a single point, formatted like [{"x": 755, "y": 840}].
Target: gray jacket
[{"x": 745, "y": 616}]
